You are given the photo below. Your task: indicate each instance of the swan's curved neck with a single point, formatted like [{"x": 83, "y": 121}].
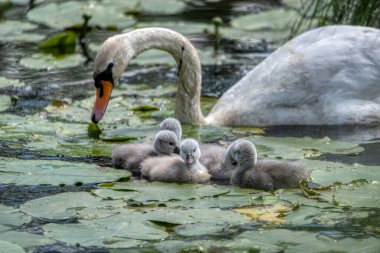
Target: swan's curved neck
[{"x": 188, "y": 108}]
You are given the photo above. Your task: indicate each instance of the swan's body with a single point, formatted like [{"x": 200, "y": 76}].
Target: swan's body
[
  {"x": 268, "y": 175},
  {"x": 130, "y": 156},
  {"x": 184, "y": 169},
  {"x": 326, "y": 76},
  {"x": 212, "y": 158}
]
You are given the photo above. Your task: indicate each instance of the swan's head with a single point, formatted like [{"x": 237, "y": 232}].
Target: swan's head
[
  {"x": 190, "y": 151},
  {"x": 173, "y": 125},
  {"x": 110, "y": 63},
  {"x": 240, "y": 152},
  {"x": 166, "y": 143}
]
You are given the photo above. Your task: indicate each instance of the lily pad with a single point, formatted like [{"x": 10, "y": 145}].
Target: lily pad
[
  {"x": 69, "y": 14},
  {"x": 5, "y": 102},
  {"x": 271, "y": 214},
  {"x": 87, "y": 235},
  {"x": 302, "y": 241},
  {"x": 5, "y": 82},
  {"x": 71, "y": 205},
  {"x": 26, "y": 240},
  {"x": 277, "y": 19},
  {"x": 183, "y": 27},
  {"x": 162, "y": 7},
  {"x": 6, "y": 247},
  {"x": 12, "y": 217},
  {"x": 49, "y": 62},
  {"x": 151, "y": 192},
  {"x": 300, "y": 148},
  {"x": 48, "y": 172},
  {"x": 12, "y": 30}
]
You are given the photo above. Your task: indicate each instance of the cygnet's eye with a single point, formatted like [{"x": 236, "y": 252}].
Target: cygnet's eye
[
  {"x": 194, "y": 150},
  {"x": 234, "y": 163},
  {"x": 171, "y": 143}
]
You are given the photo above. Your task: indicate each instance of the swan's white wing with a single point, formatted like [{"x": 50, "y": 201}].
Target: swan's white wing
[{"x": 329, "y": 75}]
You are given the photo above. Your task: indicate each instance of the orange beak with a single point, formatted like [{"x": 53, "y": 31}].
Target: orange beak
[{"x": 103, "y": 94}]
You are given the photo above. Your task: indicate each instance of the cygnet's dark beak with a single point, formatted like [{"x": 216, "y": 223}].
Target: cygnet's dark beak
[
  {"x": 190, "y": 159},
  {"x": 176, "y": 150}
]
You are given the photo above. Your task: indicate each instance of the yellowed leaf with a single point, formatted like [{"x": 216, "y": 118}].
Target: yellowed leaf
[{"x": 271, "y": 214}]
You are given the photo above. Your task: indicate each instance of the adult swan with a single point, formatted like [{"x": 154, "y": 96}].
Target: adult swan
[{"x": 326, "y": 76}]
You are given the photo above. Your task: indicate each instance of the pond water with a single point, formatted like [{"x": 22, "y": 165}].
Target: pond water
[{"x": 58, "y": 192}]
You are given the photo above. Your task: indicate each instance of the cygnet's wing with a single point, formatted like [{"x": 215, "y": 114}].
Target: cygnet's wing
[
  {"x": 212, "y": 157},
  {"x": 130, "y": 156},
  {"x": 164, "y": 168},
  {"x": 284, "y": 174}
]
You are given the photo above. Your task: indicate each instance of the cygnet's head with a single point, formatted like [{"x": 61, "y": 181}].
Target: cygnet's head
[
  {"x": 190, "y": 151},
  {"x": 173, "y": 125},
  {"x": 166, "y": 143},
  {"x": 241, "y": 152}
]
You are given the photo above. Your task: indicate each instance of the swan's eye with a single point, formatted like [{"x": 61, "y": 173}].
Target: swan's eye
[{"x": 110, "y": 65}]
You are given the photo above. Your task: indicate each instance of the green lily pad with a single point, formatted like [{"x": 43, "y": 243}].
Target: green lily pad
[
  {"x": 26, "y": 240},
  {"x": 6, "y": 247},
  {"x": 183, "y": 27},
  {"x": 5, "y": 82},
  {"x": 302, "y": 241},
  {"x": 69, "y": 14},
  {"x": 327, "y": 173},
  {"x": 43, "y": 172},
  {"x": 12, "y": 30},
  {"x": 12, "y": 217},
  {"x": 300, "y": 148},
  {"x": 49, "y": 62},
  {"x": 71, "y": 205},
  {"x": 128, "y": 133},
  {"x": 162, "y": 7},
  {"x": 151, "y": 192},
  {"x": 5, "y": 102},
  {"x": 277, "y": 19},
  {"x": 87, "y": 235}
]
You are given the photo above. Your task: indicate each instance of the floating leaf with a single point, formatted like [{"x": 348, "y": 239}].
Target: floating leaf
[
  {"x": 162, "y": 7},
  {"x": 12, "y": 217},
  {"x": 277, "y": 19},
  {"x": 69, "y": 14},
  {"x": 12, "y": 30},
  {"x": 300, "y": 148},
  {"x": 50, "y": 172},
  {"x": 5, "y": 82},
  {"x": 272, "y": 214},
  {"x": 150, "y": 192},
  {"x": 71, "y": 205},
  {"x": 6, "y": 247},
  {"x": 26, "y": 240},
  {"x": 49, "y": 62}
]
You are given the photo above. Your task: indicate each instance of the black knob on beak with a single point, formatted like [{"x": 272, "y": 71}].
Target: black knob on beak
[{"x": 176, "y": 150}]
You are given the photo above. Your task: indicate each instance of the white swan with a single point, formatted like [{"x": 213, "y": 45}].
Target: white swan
[
  {"x": 326, "y": 76},
  {"x": 184, "y": 169},
  {"x": 269, "y": 175}
]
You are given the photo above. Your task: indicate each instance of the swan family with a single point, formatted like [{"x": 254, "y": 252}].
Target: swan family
[
  {"x": 159, "y": 161},
  {"x": 325, "y": 76}
]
